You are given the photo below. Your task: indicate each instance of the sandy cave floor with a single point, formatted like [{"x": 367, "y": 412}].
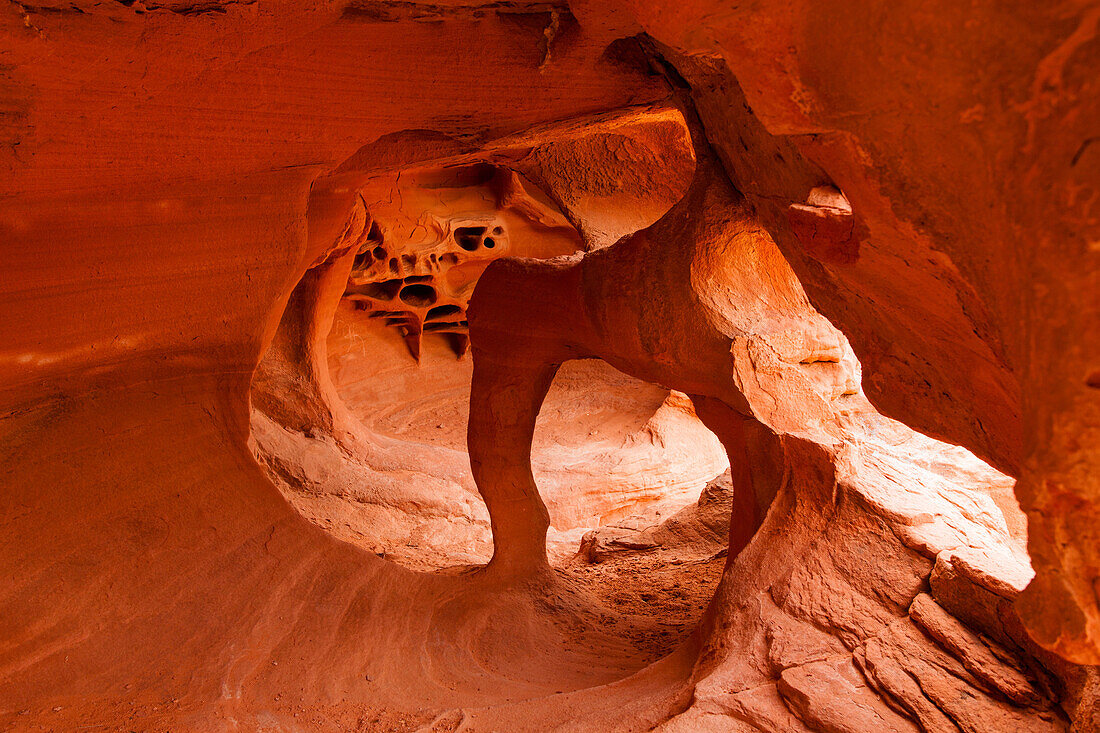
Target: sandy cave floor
[
  {"x": 652, "y": 599},
  {"x": 657, "y": 589}
]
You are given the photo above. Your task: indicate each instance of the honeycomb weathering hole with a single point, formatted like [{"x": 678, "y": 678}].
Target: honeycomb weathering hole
[
  {"x": 469, "y": 238},
  {"x": 443, "y": 311},
  {"x": 386, "y": 290},
  {"x": 418, "y": 294}
]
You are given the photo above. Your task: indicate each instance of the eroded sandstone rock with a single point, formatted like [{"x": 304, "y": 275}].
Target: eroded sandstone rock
[
  {"x": 185, "y": 187},
  {"x": 921, "y": 124},
  {"x": 848, "y": 550},
  {"x": 342, "y": 454}
]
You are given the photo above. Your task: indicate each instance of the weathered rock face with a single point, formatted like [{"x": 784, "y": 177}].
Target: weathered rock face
[
  {"x": 232, "y": 229},
  {"x": 775, "y": 384},
  {"x": 442, "y": 229},
  {"x": 377, "y": 454},
  {"x": 923, "y": 122}
]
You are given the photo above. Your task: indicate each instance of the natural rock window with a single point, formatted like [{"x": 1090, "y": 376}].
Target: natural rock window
[{"x": 612, "y": 451}]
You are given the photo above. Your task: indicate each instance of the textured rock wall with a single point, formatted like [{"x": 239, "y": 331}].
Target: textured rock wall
[
  {"x": 962, "y": 136},
  {"x": 376, "y": 453},
  {"x": 172, "y": 171},
  {"x": 840, "y": 520},
  {"x": 157, "y": 212}
]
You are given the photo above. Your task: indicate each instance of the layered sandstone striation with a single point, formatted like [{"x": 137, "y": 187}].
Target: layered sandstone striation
[{"x": 365, "y": 366}]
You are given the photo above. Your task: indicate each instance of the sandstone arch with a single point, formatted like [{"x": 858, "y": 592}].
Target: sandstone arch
[{"x": 661, "y": 305}]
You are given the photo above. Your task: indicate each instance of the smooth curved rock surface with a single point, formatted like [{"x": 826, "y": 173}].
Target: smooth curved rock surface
[
  {"x": 361, "y": 421},
  {"x": 187, "y": 189},
  {"x": 969, "y": 271}
]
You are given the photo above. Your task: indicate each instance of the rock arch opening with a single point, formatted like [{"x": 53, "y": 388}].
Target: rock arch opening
[{"x": 610, "y": 447}]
